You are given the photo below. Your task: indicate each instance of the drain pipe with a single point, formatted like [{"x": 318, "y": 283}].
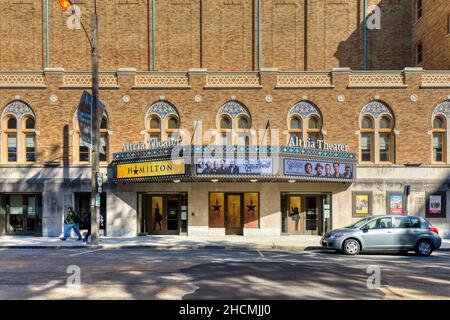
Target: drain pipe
[
  {"x": 153, "y": 36},
  {"x": 365, "y": 34},
  {"x": 259, "y": 35},
  {"x": 47, "y": 32}
]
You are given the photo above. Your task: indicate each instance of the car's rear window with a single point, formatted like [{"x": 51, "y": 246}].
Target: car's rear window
[{"x": 406, "y": 222}]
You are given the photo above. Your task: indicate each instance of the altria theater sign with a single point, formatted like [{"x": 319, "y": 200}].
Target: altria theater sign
[
  {"x": 317, "y": 144},
  {"x": 293, "y": 142},
  {"x": 149, "y": 144}
]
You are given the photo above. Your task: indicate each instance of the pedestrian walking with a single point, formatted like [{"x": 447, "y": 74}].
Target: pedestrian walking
[
  {"x": 71, "y": 222},
  {"x": 87, "y": 223}
]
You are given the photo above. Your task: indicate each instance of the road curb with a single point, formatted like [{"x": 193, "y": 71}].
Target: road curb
[
  {"x": 181, "y": 247},
  {"x": 169, "y": 247}
]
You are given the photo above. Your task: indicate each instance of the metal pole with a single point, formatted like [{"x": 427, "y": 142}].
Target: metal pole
[
  {"x": 47, "y": 32},
  {"x": 95, "y": 129},
  {"x": 259, "y": 35},
  {"x": 365, "y": 34},
  {"x": 153, "y": 35}
]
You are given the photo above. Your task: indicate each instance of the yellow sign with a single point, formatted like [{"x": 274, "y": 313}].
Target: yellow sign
[{"x": 150, "y": 169}]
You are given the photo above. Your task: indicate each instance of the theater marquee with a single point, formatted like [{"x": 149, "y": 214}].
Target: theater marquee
[{"x": 151, "y": 169}]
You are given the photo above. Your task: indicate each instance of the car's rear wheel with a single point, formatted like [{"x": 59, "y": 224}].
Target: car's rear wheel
[
  {"x": 424, "y": 248},
  {"x": 351, "y": 247}
]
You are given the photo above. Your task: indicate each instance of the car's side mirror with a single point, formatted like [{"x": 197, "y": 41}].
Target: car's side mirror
[{"x": 365, "y": 229}]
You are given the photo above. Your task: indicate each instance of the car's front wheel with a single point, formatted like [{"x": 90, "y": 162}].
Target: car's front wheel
[
  {"x": 424, "y": 248},
  {"x": 351, "y": 247}
]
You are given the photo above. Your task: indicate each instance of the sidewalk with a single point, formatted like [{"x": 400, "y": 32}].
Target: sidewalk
[{"x": 294, "y": 243}]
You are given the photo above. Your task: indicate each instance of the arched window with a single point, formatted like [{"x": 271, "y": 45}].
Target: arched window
[
  {"x": 305, "y": 122},
  {"x": 385, "y": 138},
  {"x": 19, "y": 133},
  {"x": 162, "y": 122},
  {"x": 172, "y": 126},
  {"x": 439, "y": 139},
  {"x": 440, "y": 131},
  {"x": 234, "y": 123},
  {"x": 243, "y": 137},
  {"x": 225, "y": 130},
  {"x": 29, "y": 139},
  {"x": 377, "y": 133},
  {"x": 367, "y": 139},
  {"x": 314, "y": 133},
  {"x": 82, "y": 152},
  {"x": 295, "y": 128},
  {"x": 154, "y": 129}
]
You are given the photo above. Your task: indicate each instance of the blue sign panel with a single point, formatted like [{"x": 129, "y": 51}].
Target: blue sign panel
[
  {"x": 234, "y": 166},
  {"x": 320, "y": 169}
]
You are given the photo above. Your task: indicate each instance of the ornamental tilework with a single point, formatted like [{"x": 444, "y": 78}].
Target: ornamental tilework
[
  {"x": 304, "y": 109},
  {"x": 18, "y": 109},
  {"x": 162, "y": 109},
  {"x": 443, "y": 108},
  {"x": 376, "y": 109},
  {"x": 233, "y": 109}
]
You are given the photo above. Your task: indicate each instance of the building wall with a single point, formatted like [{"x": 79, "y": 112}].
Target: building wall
[
  {"x": 58, "y": 186},
  {"x": 313, "y": 35},
  {"x": 433, "y": 31},
  {"x": 341, "y": 120}
]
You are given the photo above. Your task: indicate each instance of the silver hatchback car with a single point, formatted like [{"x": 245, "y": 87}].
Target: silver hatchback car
[{"x": 385, "y": 233}]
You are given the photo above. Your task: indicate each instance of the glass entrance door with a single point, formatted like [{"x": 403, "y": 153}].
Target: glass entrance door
[
  {"x": 233, "y": 215},
  {"x": 305, "y": 214},
  {"x": 161, "y": 214}
]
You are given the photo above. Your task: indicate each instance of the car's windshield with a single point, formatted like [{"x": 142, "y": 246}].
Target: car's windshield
[{"x": 358, "y": 223}]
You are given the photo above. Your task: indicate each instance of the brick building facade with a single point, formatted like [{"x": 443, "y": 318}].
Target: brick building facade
[{"x": 291, "y": 68}]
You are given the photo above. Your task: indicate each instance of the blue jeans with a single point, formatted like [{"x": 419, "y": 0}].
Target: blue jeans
[{"x": 69, "y": 228}]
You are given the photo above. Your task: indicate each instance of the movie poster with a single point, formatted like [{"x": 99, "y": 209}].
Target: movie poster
[
  {"x": 295, "y": 208},
  {"x": 157, "y": 213},
  {"x": 216, "y": 210},
  {"x": 435, "y": 204},
  {"x": 396, "y": 204},
  {"x": 362, "y": 204},
  {"x": 251, "y": 210}
]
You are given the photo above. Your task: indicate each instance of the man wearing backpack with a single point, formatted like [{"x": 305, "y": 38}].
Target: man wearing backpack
[{"x": 71, "y": 222}]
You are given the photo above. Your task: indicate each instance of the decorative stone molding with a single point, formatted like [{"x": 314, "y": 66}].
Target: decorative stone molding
[
  {"x": 18, "y": 109},
  {"x": 161, "y": 80},
  {"x": 162, "y": 109},
  {"x": 371, "y": 79},
  {"x": 376, "y": 109},
  {"x": 436, "y": 80},
  {"x": 24, "y": 80},
  {"x": 233, "y": 109},
  {"x": 226, "y": 80},
  {"x": 304, "y": 80},
  {"x": 84, "y": 80},
  {"x": 443, "y": 108},
  {"x": 304, "y": 109}
]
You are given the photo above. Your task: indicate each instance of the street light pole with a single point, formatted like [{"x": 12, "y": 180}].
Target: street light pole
[
  {"x": 95, "y": 119},
  {"x": 95, "y": 204}
]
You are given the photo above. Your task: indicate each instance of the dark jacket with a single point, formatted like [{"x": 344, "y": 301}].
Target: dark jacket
[{"x": 72, "y": 218}]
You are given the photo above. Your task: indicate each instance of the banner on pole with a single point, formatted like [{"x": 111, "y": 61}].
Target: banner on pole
[{"x": 85, "y": 119}]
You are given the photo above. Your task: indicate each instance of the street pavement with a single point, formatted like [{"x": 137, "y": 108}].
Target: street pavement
[{"x": 145, "y": 273}]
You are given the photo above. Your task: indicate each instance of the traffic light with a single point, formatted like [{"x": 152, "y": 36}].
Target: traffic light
[{"x": 65, "y": 4}]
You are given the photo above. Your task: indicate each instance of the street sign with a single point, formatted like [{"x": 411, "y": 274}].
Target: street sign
[{"x": 97, "y": 201}]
